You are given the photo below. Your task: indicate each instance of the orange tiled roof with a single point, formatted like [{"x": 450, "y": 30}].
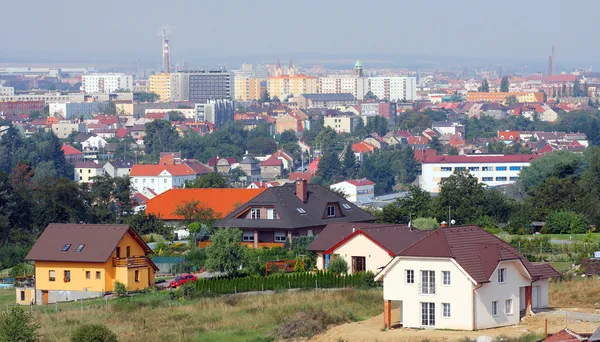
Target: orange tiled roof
[{"x": 221, "y": 201}]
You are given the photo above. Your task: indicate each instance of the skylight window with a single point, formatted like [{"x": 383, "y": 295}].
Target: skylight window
[
  {"x": 79, "y": 248},
  {"x": 346, "y": 206},
  {"x": 301, "y": 211},
  {"x": 66, "y": 247}
]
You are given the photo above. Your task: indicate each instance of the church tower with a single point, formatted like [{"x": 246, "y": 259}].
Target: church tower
[{"x": 358, "y": 69}]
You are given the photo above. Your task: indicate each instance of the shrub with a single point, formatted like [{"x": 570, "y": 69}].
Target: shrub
[
  {"x": 21, "y": 269},
  {"x": 196, "y": 257},
  {"x": 367, "y": 280},
  {"x": 566, "y": 222},
  {"x": 425, "y": 223},
  {"x": 338, "y": 265},
  {"x": 93, "y": 333},
  {"x": 299, "y": 266},
  {"x": 120, "y": 289},
  {"x": 18, "y": 325}
]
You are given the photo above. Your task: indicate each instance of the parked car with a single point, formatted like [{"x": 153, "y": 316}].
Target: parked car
[{"x": 182, "y": 279}]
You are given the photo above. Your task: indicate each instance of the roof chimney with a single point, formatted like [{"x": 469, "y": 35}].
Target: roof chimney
[
  {"x": 302, "y": 190},
  {"x": 443, "y": 224}
]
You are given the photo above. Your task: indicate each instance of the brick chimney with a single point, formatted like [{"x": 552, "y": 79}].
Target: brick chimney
[
  {"x": 302, "y": 190},
  {"x": 443, "y": 224}
]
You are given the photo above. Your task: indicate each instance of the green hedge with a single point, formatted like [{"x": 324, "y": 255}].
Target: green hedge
[{"x": 305, "y": 280}]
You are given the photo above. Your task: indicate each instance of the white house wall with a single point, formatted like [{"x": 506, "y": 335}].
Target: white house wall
[
  {"x": 459, "y": 294},
  {"x": 494, "y": 291}
]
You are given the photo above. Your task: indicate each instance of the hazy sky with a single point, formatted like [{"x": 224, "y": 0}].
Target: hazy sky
[{"x": 111, "y": 30}]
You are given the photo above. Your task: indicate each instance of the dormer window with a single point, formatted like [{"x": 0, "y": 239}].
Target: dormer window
[
  {"x": 66, "y": 247},
  {"x": 330, "y": 211},
  {"x": 255, "y": 214}
]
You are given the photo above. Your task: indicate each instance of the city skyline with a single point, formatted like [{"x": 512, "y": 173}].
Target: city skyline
[{"x": 442, "y": 32}]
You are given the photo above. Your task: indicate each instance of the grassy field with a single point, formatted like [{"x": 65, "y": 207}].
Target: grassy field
[
  {"x": 579, "y": 293},
  {"x": 565, "y": 237},
  {"x": 259, "y": 317}
]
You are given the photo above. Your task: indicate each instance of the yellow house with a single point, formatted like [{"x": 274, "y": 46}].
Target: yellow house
[{"x": 74, "y": 261}]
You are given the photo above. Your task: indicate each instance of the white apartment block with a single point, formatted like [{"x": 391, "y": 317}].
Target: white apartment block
[
  {"x": 344, "y": 84},
  {"x": 74, "y": 110},
  {"x": 357, "y": 191},
  {"x": 395, "y": 88},
  {"x": 7, "y": 91},
  {"x": 491, "y": 170},
  {"x": 106, "y": 83}
]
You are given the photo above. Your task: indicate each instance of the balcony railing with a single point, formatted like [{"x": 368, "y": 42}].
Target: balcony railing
[
  {"x": 130, "y": 262},
  {"x": 427, "y": 289}
]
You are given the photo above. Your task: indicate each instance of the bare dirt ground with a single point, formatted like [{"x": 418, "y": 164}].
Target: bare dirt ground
[{"x": 578, "y": 320}]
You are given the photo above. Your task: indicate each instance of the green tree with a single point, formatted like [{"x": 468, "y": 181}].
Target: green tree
[
  {"x": 18, "y": 325},
  {"x": 160, "y": 137},
  {"x": 175, "y": 115},
  {"x": 338, "y": 265},
  {"x": 453, "y": 151},
  {"x": 504, "y": 85},
  {"x": 265, "y": 97},
  {"x": 425, "y": 223},
  {"x": 566, "y": 222},
  {"x": 576, "y": 90},
  {"x": 330, "y": 168},
  {"x": 349, "y": 164},
  {"x": 226, "y": 254},
  {"x": 208, "y": 180},
  {"x": 484, "y": 87},
  {"x": 145, "y": 224},
  {"x": 416, "y": 204},
  {"x": 93, "y": 333},
  {"x": 120, "y": 289},
  {"x": 511, "y": 100},
  {"x": 370, "y": 96},
  {"x": 377, "y": 124},
  {"x": 560, "y": 164},
  {"x": 196, "y": 211},
  {"x": 287, "y": 136},
  {"x": 261, "y": 145},
  {"x": 146, "y": 97},
  {"x": 436, "y": 144},
  {"x": 462, "y": 195}
]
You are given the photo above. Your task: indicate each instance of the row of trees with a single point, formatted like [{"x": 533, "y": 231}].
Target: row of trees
[{"x": 560, "y": 188}]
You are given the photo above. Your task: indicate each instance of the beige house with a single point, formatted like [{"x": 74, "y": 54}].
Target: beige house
[
  {"x": 364, "y": 246},
  {"x": 287, "y": 122},
  {"x": 341, "y": 124},
  {"x": 86, "y": 170},
  {"x": 63, "y": 129}
]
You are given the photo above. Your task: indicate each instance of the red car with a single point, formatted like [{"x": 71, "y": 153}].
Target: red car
[{"x": 182, "y": 279}]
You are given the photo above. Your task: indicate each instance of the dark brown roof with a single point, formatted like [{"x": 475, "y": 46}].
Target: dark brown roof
[
  {"x": 475, "y": 250},
  {"x": 285, "y": 202},
  {"x": 393, "y": 237},
  {"x": 99, "y": 241}
]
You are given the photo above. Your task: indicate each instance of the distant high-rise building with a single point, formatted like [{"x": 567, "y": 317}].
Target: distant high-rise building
[
  {"x": 551, "y": 63},
  {"x": 282, "y": 85},
  {"x": 199, "y": 86},
  {"x": 166, "y": 52},
  {"x": 215, "y": 111},
  {"x": 106, "y": 83},
  {"x": 394, "y": 88},
  {"x": 160, "y": 84},
  {"x": 247, "y": 88}
]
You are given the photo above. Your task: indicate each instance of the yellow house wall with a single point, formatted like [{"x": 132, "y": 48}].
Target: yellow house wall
[{"x": 78, "y": 276}]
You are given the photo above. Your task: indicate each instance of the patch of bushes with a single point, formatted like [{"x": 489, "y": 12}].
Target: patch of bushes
[
  {"x": 18, "y": 325},
  {"x": 306, "y": 324},
  {"x": 93, "y": 333},
  {"x": 120, "y": 289},
  {"x": 338, "y": 265}
]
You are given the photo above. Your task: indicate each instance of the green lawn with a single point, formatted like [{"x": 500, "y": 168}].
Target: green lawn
[
  {"x": 566, "y": 237},
  {"x": 249, "y": 317}
]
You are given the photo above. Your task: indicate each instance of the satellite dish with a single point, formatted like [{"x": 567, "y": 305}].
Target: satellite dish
[{"x": 453, "y": 222}]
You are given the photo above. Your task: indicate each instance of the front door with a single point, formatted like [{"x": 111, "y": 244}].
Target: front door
[
  {"x": 44, "y": 297},
  {"x": 428, "y": 314}
]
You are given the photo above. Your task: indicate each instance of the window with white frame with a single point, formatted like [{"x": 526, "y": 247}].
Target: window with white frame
[
  {"x": 248, "y": 236},
  {"x": 427, "y": 282},
  {"x": 508, "y": 306},
  {"x": 502, "y": 275},
  {"x": 279, "y": 236},
  {"x": 446, "y": 278},
  {"x": 410, "y": 276},
  {"x": 446, "y": 310},
  {"x": 270, "y": 213},
  {"x": 330, "y": 210},
  {"x": 495, "y": 308},
  {"x": 255, "y": 213}
]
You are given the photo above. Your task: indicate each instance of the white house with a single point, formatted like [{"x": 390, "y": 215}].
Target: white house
[
  {"x": 94, "y": 142},
  {"x": 364, "y": 246},
  {"x": 463, "y": 278},
  {"x": 356, "y": 190},
  {"x": 169, "y": 173},
  {"x": 491, "y": 169}
]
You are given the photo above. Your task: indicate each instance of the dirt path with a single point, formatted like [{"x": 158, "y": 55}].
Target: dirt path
[{"x": 371, "y": 329}]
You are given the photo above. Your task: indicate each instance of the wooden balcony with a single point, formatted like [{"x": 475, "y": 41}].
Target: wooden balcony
[{"x": 131, "y": 262}]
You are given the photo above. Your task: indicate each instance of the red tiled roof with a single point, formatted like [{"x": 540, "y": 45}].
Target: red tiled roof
[
  {"x": 566, "y": 335},
  {"x": 272, "y": 161},
  {"x": 221, "y": 201},
  {"x": 478, "y": 158},
  {"x": 231, "y": 160},
  {"x": 158, "y": 116},
  {"x": 121, "y": 133},
  {"x": 509, "y": 135},
  {"x": 107, "y": 119},
  {"x": 87, "y": 165},
  {"x": 360, "y": 182},
  {"x": 475, "y": 250},
  {"x": 69, "y": 150},
  {"x": 300, "y": 175},
  {"x": 363, "y": 147}
]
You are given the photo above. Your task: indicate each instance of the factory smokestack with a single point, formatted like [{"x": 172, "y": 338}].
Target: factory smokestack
[{"x": 166, "y": 52}]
